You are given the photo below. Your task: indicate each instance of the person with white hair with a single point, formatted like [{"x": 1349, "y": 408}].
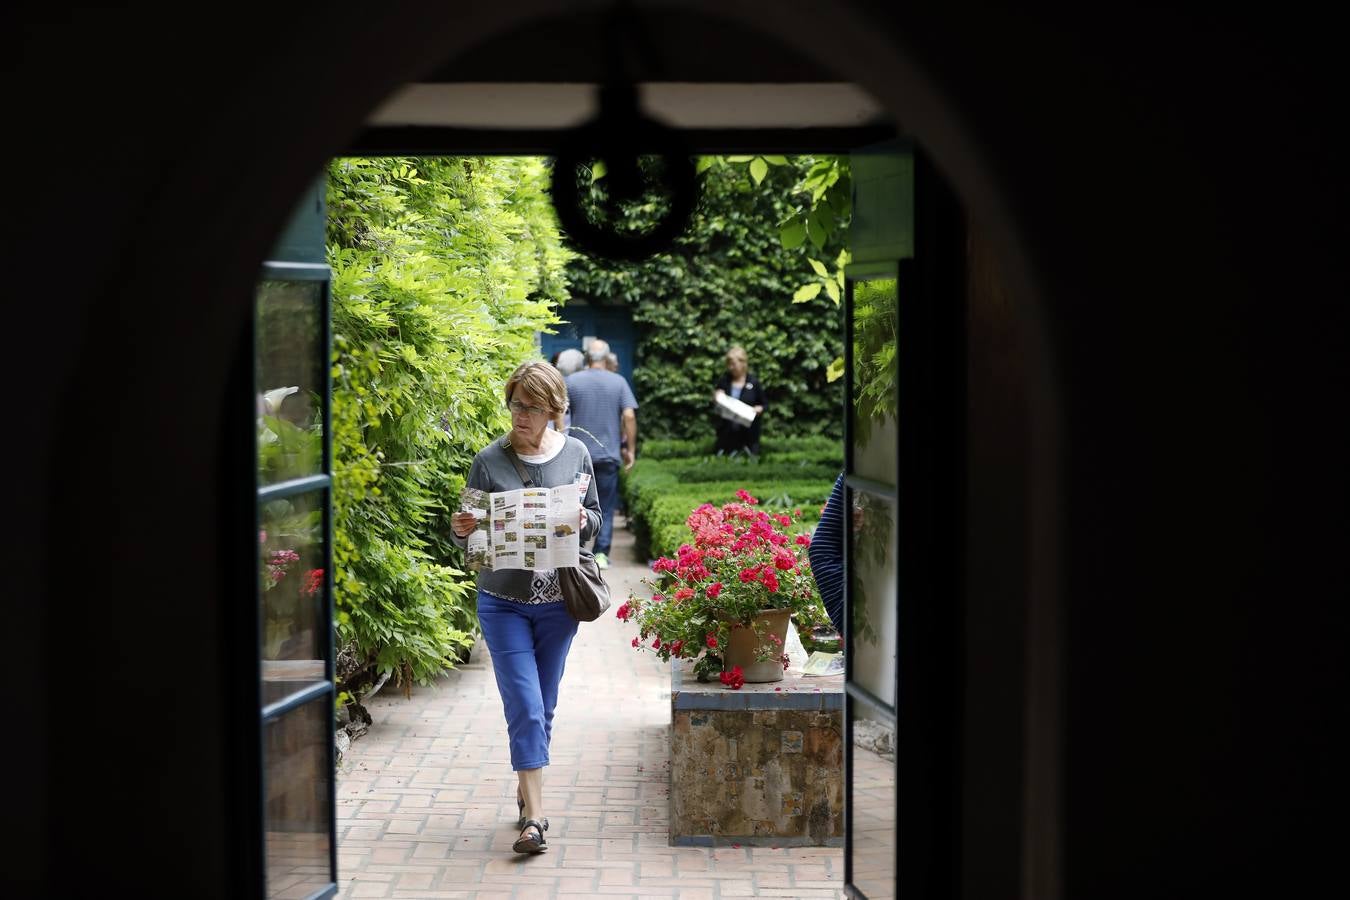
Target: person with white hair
[
  {"x": 569, "y": 361},
  {"x": 604, "y": 417},
  {"x": 566, "y": 362}
]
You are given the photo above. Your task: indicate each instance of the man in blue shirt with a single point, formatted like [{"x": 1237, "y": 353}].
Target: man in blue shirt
[{"x": 604, "y": 416}]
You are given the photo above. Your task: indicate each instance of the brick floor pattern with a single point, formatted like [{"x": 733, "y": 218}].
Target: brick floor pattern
[{"x": 426, "y": 799}]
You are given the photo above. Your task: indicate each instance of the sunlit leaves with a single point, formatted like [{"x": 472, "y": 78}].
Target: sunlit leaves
[
  {"x": 443, "y": 270},
  {"x": 758, "y": 169},
  {"x": 806, "y": 292}
]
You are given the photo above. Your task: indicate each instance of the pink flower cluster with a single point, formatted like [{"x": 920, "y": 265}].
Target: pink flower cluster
[
  {"x": 278, "y": 564},
  {"x": 740, "y": 560}
]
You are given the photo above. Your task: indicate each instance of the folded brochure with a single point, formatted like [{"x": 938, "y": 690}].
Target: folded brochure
[{"x": 528, "y": 528}]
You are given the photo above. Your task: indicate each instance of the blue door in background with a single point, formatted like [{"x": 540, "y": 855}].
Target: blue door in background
[{"x": 609, "y": 323}]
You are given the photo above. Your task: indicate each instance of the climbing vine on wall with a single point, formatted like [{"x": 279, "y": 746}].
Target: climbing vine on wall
[
  {"x": 443, "y": 271},
  {"x": 732, "y": 279}
]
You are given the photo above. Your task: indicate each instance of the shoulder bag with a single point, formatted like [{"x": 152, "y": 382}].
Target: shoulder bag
[{"x": 583, "y": 587}]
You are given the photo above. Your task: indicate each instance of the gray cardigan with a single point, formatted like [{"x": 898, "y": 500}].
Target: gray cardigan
[{"x": 492, "y": 471}]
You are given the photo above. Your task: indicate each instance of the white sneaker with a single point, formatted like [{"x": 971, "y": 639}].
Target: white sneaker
[{"x": 602, "y": 560}]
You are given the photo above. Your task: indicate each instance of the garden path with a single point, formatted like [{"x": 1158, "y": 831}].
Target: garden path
[{"x": 426, "y": 799}]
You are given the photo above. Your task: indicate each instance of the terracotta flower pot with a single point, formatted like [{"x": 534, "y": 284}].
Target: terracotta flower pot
[{"x": 741, "y": 647}]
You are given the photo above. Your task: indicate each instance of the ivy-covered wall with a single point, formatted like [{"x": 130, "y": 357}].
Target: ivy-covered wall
[{"x": 730, "y": 280}]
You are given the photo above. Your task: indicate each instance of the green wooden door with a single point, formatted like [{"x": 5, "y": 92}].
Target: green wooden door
[
  {"x": 901, "y": 444},
  {"x": 294, "y": 516}
]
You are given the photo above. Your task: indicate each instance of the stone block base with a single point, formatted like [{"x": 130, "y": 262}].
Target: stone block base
[{"x": 762, "y": 766}]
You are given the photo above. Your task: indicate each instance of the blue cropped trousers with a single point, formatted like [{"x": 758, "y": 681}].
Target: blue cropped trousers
[{"x": 529, "y": 644}]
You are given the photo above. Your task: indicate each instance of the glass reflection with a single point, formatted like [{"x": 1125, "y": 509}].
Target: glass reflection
[
  {"x": 873, "y": 577},
  {"x": 874, "y": 374},
  {"x": 873, "y": 810},
  {"x": 290, "y": 540},
  {"x": 290, "y": 376},
  {"x": 297, "y": 809}
]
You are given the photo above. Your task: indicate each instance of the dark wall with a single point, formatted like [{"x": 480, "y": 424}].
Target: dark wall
[
  {"x": 1179, "y": 185},
  {"x": 1164, "y": 193}
]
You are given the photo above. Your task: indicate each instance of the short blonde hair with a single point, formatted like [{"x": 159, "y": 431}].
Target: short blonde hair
[
  {"x": 540, "y": 382},
  {"x": 737, "y": 352}
]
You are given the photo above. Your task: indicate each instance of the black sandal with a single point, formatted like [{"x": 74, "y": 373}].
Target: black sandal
[{"x": 531, "y": 838}]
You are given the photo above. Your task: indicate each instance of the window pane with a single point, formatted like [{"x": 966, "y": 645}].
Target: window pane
[
  {"x": 874, "y": 391},
  {"x": 872, "y": 575},
  {"x": 872, "y": 812},
  {"x": 290, "y": 379},
  {"x": 290, "y": 538},
  {"x": 297, "y": 804}
]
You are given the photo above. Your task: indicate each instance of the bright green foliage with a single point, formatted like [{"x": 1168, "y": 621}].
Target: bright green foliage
[
  {"x": 443, "y": 271},
  {"x": 874, "y": 322},
  {"x": 822, "y": 207},
  {"x": 729, "y": 280}
]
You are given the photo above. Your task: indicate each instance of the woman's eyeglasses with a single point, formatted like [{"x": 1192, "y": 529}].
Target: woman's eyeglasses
[{"x": 517, "y": 407}]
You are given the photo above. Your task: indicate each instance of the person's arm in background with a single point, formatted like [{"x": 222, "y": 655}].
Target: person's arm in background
[
  {"x": 629, "y": 452},
  {"x": 827, "y": 555},
  {"x": 629, "y": 425}
]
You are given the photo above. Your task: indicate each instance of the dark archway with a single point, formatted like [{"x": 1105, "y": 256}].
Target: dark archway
[{"x": 1181, "y": 419}]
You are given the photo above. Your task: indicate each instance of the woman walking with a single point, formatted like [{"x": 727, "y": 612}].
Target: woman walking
[{"x": 525, "y": 622}]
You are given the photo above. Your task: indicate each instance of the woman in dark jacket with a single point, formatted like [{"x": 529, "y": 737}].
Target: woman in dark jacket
[{"x": 738, "y": 382}]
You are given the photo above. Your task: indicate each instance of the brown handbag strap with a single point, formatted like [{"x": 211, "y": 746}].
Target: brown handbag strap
[{"x": 515, "y": 461}]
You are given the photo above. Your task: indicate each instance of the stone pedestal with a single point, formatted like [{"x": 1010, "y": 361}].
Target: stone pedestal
[{"x": 761, "y": 766}]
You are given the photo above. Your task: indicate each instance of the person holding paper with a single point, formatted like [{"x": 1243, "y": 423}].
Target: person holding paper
[
  {"x": 740, "y": 384},
  {"x": 525, "y": 622}
]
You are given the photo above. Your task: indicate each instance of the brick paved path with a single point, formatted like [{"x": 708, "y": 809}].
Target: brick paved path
[{"x": 426, "y": 799}]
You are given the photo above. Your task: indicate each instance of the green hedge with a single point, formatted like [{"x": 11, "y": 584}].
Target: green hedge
[
  {"x": 658, "y": 521},
  {"x": 662, "y": 489},
  {"x": 820, "y": 447}
]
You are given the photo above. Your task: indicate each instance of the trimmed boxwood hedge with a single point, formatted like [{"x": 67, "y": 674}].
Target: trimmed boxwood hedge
[
  {"x": 662, "y": 489},
  {"x": 775, "y": 450}
]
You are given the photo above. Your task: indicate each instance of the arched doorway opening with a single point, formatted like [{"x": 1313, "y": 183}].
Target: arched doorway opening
[{"x": 257, "y": 213}]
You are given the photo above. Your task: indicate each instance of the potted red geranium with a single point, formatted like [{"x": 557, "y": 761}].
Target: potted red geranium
[{"x": 726, "y": 597}]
